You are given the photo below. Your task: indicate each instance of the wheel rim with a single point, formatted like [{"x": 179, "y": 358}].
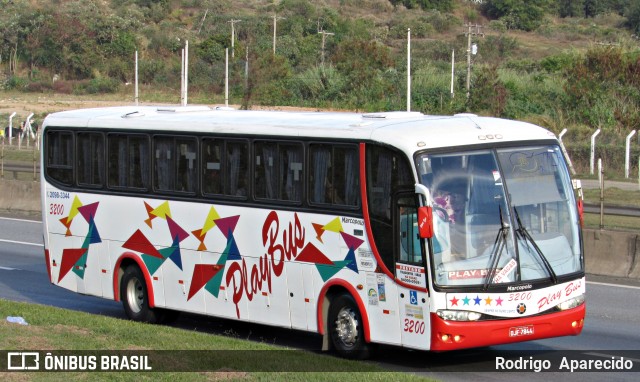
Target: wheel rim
[
  {"x": 135, "y": 295},
  {"x": 347, "y": 327}
]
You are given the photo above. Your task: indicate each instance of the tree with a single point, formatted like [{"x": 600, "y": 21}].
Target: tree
[
  {"x": 570, "y": 8},
  {"x": 632, "y": 13},
  {"x": 518, "y": 14},
  {"x": 363, "y": 63}
]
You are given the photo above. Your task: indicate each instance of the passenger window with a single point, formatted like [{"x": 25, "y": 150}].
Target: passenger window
[
  {"x": 175, "y": 164},
  {"x": 409, "y": 247},
  {"x": 128, "y": 161},
  {"x": 60, "y": 156},
  {"x": 225, "y": 167},
  {"x": 278, "y": 171},
  {"x": 90, "y": 159},
  {"x": 333, "y": 175}
]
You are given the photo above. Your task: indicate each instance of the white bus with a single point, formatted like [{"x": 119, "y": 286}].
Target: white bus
[{"x": 426, "y": 232}]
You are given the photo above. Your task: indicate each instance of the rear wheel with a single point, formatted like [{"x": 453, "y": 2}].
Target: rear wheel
[
  {"x": 346, "y": 329},
  {"x": 135, "y": 297}
]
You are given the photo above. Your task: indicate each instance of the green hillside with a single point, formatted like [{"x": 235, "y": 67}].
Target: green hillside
[{"x": 558, "y": 63}]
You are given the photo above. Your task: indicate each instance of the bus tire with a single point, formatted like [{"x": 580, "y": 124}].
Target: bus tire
[
  {"x": 346, "y": 329},
  {"x": 135, "y": 297}
]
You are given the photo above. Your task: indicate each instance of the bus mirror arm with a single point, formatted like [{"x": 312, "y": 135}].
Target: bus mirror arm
[
  {"x": 425, "y": 213},
  {"x": 421, "y": 189}
]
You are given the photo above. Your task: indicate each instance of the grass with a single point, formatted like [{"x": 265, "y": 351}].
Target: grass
[
  {"x": 54, "y": 329},
  {"x": 613, "y": 197},
  {"x": 612, "y": 222}
]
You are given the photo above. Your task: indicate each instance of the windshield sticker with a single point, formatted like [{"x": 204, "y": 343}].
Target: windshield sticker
[
  {"x": 468, "y": 274},
  {"x": 502, "y": 276},
  {"x": 411, "y": 274}
]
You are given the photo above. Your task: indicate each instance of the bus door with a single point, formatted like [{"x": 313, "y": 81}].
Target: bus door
[{"x": 410, "y": 273}]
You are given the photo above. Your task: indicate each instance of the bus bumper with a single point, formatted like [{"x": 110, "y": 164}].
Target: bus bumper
[{"x": 454, "y": 335}]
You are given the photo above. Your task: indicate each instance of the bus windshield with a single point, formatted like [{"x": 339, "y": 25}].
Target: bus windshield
[{"x": 501, "y": 216}]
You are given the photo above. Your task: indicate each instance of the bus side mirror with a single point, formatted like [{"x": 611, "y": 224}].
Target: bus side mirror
[{"x": 425, "y": 222}]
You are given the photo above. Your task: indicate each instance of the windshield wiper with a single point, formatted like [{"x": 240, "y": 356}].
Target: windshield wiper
[
  {"x": 522, "y": 231},
  {"x": 498, "y": 247}
]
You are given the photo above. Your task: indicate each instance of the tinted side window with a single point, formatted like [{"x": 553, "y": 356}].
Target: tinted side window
[
  {"x": 128, "y": 161},
  {"x": 175, "y": 164},
  {"x": 59, "y": 148},
  {"x": 225, "y": 167},
  {"x": 90, "y": 159},
  {"x": 278, "y": 171},
  {"x": 334, "y": 175}
]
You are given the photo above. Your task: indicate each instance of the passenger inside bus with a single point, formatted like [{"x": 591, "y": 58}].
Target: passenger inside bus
[{"x": 450, "y": 198}]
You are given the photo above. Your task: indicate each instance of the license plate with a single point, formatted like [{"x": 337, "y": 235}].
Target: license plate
[{"x": 521, "y": 331}]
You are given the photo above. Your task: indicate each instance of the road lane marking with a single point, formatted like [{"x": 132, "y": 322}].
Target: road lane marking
[
  {"x": 613, "y": 285},
  {"x": 21, "y": 242},
  {"x": 9, "y": 269},
  {"x": 21, "y": 220}
]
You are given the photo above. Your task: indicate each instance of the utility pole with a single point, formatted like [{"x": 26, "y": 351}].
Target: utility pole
[
  {"x": 275, "y": 23},
  {"x": 202, "y": 21},
  {"x": 324, "y": 35},
  {"x": 233, "y": 34},
  {"x": 409, "y": 69},
  {"x": 469, "y": 33}
]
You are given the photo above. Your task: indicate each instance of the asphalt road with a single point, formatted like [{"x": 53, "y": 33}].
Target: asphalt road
[{"x": 612, "y": 323}]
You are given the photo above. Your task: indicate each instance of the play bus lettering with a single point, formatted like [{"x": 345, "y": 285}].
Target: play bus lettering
[{"x": 392, "y": 228}]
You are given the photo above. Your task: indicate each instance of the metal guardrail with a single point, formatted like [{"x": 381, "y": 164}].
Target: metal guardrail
[
  {"x": 15, "y": 168},
  {"x": 612, "y": 210}
]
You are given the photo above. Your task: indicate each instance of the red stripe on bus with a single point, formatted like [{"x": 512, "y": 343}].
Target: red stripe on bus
[{"x": 47, "y": 259}]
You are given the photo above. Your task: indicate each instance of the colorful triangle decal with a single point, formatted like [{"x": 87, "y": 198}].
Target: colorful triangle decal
[
  {"x": 202, "y": 273},
  {"x": 139, "y": 243},
  {"x": 176, "y": 230},
  {"x": 311, "y": 254},
  {"x": 69, "y": 259},
  {"x": 227, "y": 225},
  {"x": 152, "y": 263},
  {"x": 88, "y": 211}
]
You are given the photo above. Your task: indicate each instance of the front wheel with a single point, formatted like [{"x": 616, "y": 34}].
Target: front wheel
[
  {"x": 346, "y": 329},
  {"x": 135, "y": 297}
]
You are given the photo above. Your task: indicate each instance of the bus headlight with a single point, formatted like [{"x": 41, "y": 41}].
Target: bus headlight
[
  {"x": 572, "y": 303},
  {"x": 458, "y": 315}
]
